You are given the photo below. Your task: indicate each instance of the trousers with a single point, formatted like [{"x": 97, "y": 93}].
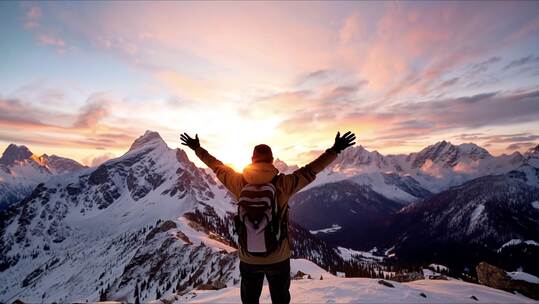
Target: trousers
[{"x": 252, "y": 279}]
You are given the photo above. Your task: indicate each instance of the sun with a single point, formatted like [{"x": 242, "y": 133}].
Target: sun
[
  {"x": 237, "y": 158},
  {"x": 231, "y": 137}
]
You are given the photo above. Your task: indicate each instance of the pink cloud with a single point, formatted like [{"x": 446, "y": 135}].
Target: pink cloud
[
  {"x": 32, "y": 17},
  {"x": 52, "y": 41},
  {"x": 351, "y": 29},
  {"x": 91, "y": 114},
  {"x": 33, "y": 12},
  {"x": 87, "y": 131}
]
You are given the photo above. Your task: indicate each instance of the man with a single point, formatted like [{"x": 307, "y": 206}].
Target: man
[{"x": 276, "y": 264}]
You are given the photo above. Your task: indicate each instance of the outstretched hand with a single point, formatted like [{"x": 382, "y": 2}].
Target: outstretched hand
[
  {"x": 343, "y": 142},
  {"x": 187, "y": 140}
]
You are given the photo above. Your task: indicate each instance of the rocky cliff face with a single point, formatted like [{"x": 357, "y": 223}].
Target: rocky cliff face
[{"x": 498, "y": 278}]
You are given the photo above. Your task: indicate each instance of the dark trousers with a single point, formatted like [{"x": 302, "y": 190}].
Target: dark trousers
[{"x": 252, "y": 278}]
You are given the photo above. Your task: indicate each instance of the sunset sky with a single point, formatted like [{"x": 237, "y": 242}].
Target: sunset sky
[{"x": 84, "y": 79}]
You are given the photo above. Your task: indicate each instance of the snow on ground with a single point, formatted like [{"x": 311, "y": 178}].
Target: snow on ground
[
  {"x": 439, "y": 267},
  {"x": 427, "y": 273},
  {"x": 523, "y": 276},
  {"x": 430, "y": 274},
  {"x": 348, "y": 254},
  {"x": 377, "y": 182},
  {"x": 331, "y": 229},
  {"x": 515, "y": 242},
  {"x": 476, "y": 215},
  {"x": 362, "y": 290},
  {"x": 198, "y": 237},
  {"x": 308, "y": 267}
]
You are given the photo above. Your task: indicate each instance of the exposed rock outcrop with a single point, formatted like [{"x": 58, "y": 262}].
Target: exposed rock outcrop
[{"x": 495, "y": 277}]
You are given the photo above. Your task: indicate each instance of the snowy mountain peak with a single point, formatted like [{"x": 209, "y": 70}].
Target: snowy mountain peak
[
  {"x": 449, "y": 155},
  {"x": 150, "y": 138},
  {"x": 533, "y": 152},
  {"x": 473, "y": 150},
  {"x": 21, "y": 171},
  {"x": 283, "y": 167},
  {"x": 14, "y": 153},
  {"x": 360, "y": 157},
  {"x": 60, "y": 165},
  {"x": 532, "y": 156}
]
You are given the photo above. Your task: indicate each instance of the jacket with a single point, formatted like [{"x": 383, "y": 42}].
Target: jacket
[{"x": 260, "y": 173}]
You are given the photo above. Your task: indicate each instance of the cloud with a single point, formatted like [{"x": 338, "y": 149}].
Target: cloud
[
  {"x": 44, "y": 33},
  {"x": 313, "y": 76},
  {"x": 521, "y": 146},
  {"x": 412, "y": 48},
  {"x": 476, "y": 98},
  {"x": 478, "y": 110},
  {"x": 398, "y": 72},
  {"x": 89, "y": 130},
  {"x": 498, "y": 138},
  {"x": 92, "y": 113},
  {"x": 527, "y": 60},
  {"x": 402, "y": 48},
  {"x": 16, "y": 113},
  {"x": 529, "y": 27},
  {"x": 343, "y": 91},
  {"x": 421, "y": 122},
  {"x": 449, "y": 83},
  {"x": 351, "y": 29},
  {"x": 52, "y": 41},
  {"x": 185, "y": 86},
  {"x": 484, "y": 65},
  {"x": 98, "y": 160},
  {"x": 32, "y": 17}
]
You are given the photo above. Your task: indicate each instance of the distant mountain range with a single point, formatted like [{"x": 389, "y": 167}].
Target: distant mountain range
[
  {"x": 150, "y": 220},
  {"x": 21, "y": 170},
  {"x": 435, "y": 168},
  {"x": 459, "y": 205}
]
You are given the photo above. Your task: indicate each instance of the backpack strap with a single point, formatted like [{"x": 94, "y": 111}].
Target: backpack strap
[
  {"x": 275, "y": 178},
  {"x": 282, "y": 213}
]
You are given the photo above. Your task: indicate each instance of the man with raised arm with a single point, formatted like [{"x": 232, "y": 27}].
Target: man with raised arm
[{"x": 262, "y": 195}]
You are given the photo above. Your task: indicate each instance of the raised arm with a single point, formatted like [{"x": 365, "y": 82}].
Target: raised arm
[
  {"x": 292, "y": 183},
  {"x": 232, "y": 180}
]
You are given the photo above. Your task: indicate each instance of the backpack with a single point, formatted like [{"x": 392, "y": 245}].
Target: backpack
[{"x": 259, "y": 223}]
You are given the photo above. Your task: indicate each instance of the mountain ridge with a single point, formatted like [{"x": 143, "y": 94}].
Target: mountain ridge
[
  {"x": 138, "y": 216},
  {"x": 21, "y": 170},
  {"x": 138, "y": 213}
]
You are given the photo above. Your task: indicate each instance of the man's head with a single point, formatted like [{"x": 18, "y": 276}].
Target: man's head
[{"x": 262, "y": 154}]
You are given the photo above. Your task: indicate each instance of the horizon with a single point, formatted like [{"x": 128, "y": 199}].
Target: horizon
[
  {"x": 194, "y": 159},
  {"x": 84, "y": 80}
]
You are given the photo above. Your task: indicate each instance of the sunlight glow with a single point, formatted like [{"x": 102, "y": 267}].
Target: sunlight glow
[{"x": 238, "y": 78}]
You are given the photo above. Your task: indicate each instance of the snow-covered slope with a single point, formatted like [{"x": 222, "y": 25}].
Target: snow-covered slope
[
  {"x": 359, "y": 290},
  {"x": 21, "y": 171},
  {"x": 490, "y": 211},
  {"x": 152, "y": 221},
  {"x": 483, "y": 219},
  {"x": 148, "y": 220},
  {"x": 107, "y": 213}
]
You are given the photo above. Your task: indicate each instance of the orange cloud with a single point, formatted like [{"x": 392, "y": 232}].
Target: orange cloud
[{"x": 194, "y": 89}]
